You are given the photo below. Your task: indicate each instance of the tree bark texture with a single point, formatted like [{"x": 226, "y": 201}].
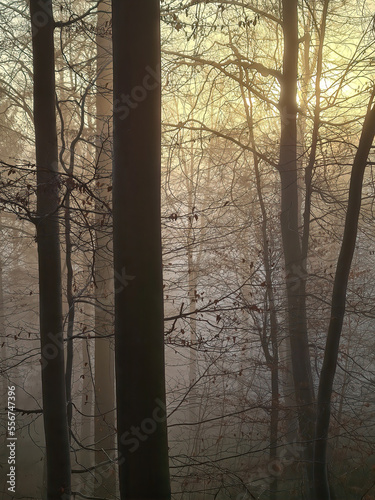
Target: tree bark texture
[
  {"x": 104, "y": 346},
  {"x": 294, "y": 265},
  {"x": 47, "y": 226},
  {"x": 139, "y": 361}
]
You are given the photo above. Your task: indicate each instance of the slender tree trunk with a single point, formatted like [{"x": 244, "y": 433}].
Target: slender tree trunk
[
  {"x": 345, "y": 383},
  {"x": 315, "y": 133},
  {"x": 193, "y": 410},
  {"x": 87, "y": 390},
  {"x": 3, "y": 338},
  {"x": 192, "y": 290},
  {"x": 327, "y": 375},
  {"x": 87, "y": 408},
  {"x": 50, "y": 301},
  {"x": 272, "y": 358},
  {"x": 139, "y": 329},
  {"x": 104, "y": 345},
  {"x": 294, "y": 265},
  {"x": 71, "y": 313}
]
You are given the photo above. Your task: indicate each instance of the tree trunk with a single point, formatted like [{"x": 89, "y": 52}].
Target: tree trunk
[
  {"x": 50, "y": 301},
  {"x": 140, "y": 379},
  {"x": 71, "y": 313},
  {"x": 104, "y": 351},
  {"x": 327, "y": 375},
  {"x": 294, "y": 266},
  {"x": 87, "y": 408},
  {"x": 272, "y": 358},
  {"x": 3, "y": 337}
]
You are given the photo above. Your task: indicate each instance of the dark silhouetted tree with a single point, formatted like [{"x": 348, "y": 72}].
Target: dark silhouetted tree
[
  {"x": 140, "y": 381},
  {"x": 327, "y": 375},
  {"x": 47, "y": 227}
]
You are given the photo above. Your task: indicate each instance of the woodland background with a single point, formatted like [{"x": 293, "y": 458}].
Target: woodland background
[{"x": 233, "y": 405}]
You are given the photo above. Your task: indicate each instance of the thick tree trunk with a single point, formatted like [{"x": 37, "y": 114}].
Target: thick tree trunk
[
  {"x": 294, "y": 265},
  {"x": 327, "y": 375},
  {"x": 104, "y": 345},
  {"x": 140, "y": 379},
  {"x": 50, "y": 301}
]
